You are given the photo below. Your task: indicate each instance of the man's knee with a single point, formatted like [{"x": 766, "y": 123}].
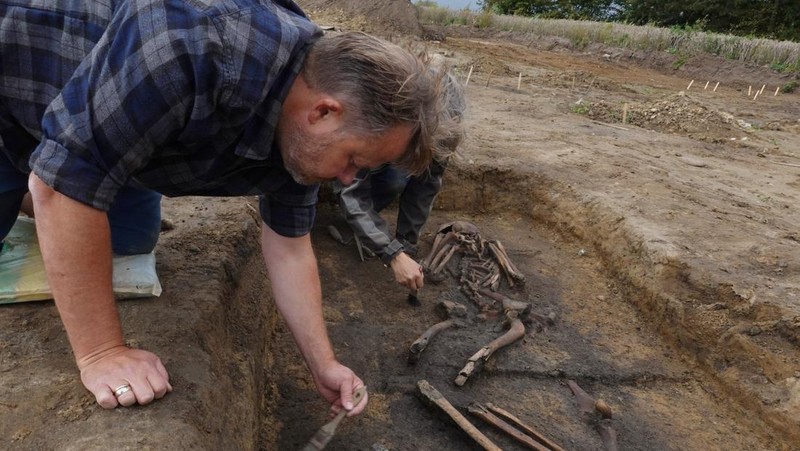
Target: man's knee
[
  {"x": 10, "y": 202},
  {"x": 135, "y": 220},
  {"x": 13, "y": 186}
]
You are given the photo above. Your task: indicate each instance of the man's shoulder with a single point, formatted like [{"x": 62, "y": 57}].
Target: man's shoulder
[{"x": 284, "y": 10}]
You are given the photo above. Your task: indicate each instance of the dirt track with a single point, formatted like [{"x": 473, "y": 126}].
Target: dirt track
[{"x": 667, "y": 249}]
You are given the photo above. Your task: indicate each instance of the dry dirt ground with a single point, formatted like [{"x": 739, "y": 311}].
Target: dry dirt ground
[{"x": 666, "y": 247}]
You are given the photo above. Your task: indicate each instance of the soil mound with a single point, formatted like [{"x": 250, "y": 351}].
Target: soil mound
[
  {"x": 379, "y": 17},
  {"x": 676, "y": 114}
]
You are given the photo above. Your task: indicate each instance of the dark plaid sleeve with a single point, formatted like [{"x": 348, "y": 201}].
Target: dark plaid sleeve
[
  {"x": 153, "y": 77},
  {"x": 291, "y": 210}
]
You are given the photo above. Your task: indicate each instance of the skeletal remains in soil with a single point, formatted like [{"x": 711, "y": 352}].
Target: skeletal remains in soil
[
  {"x": 486, "y": 258},
  {"x": 491, "y": 414},
  {"x": 481, "y": 265}
]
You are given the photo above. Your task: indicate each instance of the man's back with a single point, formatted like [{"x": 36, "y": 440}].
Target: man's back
[{"x": 182, "y": 96}]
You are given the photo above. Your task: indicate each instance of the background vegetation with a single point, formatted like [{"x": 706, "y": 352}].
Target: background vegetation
[
  {"x": 683, "y": 41},
  {"x": 773, "y": 19}
]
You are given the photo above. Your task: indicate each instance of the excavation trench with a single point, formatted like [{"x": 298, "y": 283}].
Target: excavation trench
[{"x": 621, "y": 332}]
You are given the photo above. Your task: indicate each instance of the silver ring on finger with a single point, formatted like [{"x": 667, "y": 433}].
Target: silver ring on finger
[{"x": 121, "y": 390}]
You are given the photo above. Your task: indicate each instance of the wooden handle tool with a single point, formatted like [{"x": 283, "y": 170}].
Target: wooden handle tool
[{"x": 325, "y": 433}]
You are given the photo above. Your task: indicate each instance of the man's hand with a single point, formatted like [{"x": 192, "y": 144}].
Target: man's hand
[
  {"x": 407, "y": 272},
  {"x": 337, "y": 383},
  {"x": 140, "y": 370}
]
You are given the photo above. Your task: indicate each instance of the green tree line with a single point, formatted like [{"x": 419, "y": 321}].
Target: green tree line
[{"x": 775, "y": 19}]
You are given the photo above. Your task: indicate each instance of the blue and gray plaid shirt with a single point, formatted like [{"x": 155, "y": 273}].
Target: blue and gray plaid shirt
[{"x": 179, "y": 96}]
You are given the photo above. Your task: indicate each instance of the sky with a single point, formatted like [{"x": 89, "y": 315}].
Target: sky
[{"x": 457, "y": 4}]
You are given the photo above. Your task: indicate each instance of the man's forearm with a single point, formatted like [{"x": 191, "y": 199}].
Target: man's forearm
[
  {"x": 293, "y": 273},
  {"x": 75, "y": 243}
]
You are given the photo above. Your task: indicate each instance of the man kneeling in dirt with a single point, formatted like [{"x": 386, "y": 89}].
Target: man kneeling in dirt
[
  {"x": 374, "y": 189},
  {"x": 150, "y": 98}
]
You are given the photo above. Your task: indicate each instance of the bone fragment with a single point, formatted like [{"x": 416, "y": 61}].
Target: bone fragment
[
  {"x": 505, "y": 262},
  {"x": 491, "y": 278},
  {"x": 445, "y": 242},
  {"x": 437, "y": 240},
  {"x": 514, "y": 333},
  {"x": 503, "y": 265},
  {"x": 508, "y": 303},
  {"x": 608, "y": 436},
  {"x": 471, "y": 291},
  {"x": 603, "y": 408},
  {"x": 465, "y": 227},
  {"x": 585, "y": 402},
  {"x": 446, "y": 259},
  {"x": 524, "y": 427},
  {"x": 444, "y": 247},
  {"x": 511, "y": 264},
  {"x": 442, "y": 255},
  {"x": 421, "y": 343},
  {"x": 450, "y": 310},
  {"x": 482, "y": 413},
  {"x": 430, "y": 394}
]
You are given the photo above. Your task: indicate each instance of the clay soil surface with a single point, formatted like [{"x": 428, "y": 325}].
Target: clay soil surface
[{"x": 666, "y": 247}]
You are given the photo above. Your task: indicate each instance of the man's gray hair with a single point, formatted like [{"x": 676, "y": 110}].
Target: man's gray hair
[
  {"x": 450, "y": 130},
  {"x": 385, "y": 85}
]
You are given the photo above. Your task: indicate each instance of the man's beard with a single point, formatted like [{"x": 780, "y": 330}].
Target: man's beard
[{"x": 302, "y": 155}]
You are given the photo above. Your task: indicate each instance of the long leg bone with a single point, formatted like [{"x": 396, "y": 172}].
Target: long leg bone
[
  {"x": 430, "y": 394},
  {"x": 482, "y": 413},
  {"x": 608, "y": 436},
  {"x": 514, "y": 333},
  {"x": 524, "y": 427}
]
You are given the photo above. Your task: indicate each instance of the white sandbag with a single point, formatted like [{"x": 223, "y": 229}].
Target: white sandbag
[{"x": 22, "y": 275}]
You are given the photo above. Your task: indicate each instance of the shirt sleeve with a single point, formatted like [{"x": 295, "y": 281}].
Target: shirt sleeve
[
  {"x": 152, "y": 78},
  {"x": 290, "y": 211},
  {"x": 416, "y": 201},
  {"x": 356, "y": 203}
]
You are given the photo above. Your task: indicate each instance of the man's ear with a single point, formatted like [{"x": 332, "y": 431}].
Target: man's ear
[{"x": 325, "y": 111}]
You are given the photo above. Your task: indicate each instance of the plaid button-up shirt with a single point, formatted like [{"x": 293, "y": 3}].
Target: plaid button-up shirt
[{"x": 179, "y": 96}]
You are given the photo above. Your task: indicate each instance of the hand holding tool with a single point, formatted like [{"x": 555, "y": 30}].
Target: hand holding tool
[{"x": 325, "y": 433}]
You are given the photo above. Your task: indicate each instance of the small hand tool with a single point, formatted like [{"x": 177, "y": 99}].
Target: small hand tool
[{"x": 325, "y": 433}]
